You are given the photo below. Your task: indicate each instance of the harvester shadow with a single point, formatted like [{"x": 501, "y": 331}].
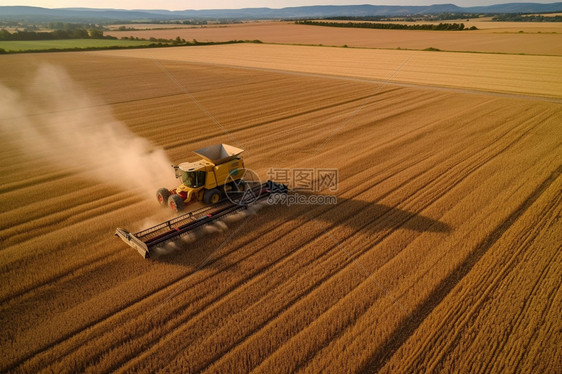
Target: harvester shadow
[
  {"x": 366, "y": 216},
  {"x": 211, "y": 248}
]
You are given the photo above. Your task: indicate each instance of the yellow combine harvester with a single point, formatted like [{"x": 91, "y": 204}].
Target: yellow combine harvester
[
  {"x": 220, "y": 174},
  {"x": 207, "y": 180}
]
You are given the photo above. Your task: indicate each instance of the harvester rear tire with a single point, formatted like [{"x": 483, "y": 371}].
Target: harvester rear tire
[
  {"x": 162, "y": 195},
  {"x": 176, "y": 203},
  {"x": 212, "y": 196}
]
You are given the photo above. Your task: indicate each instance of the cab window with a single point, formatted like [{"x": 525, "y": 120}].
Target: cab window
[{"x": 193, "y": 179}]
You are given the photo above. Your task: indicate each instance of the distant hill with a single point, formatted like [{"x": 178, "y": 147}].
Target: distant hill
[
  {"x": 517, "y": 8},
  {"x": 25, "y": 13}
]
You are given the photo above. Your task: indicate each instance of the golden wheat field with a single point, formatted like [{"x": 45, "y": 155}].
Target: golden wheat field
[
  {"x": 443, "y": 252},
  {"x": 542, "y": 38}
]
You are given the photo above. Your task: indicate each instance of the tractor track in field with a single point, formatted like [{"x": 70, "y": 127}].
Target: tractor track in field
[
  {"x": 341, "y": 131},
  {"x": 401, "y": 334},
  {"x": 513, "y": 259},
  {"x": 66, "y": 276},
  {"x": 76, "y": 214},
  {"x": 540, "y": 280},
  {"x": 185, "y": 103},
  {"x": 306, "y": 125},
  {"x": 519, "y": 321},
  {"x": 551, "y": 297},
  {"x": 264, "y": 123},
  {"x": 510, "y": 263},
  {"x": 55, "y": 176},
  {"x": 423, "y": 346},
  {"x": 23, "y": 290}
]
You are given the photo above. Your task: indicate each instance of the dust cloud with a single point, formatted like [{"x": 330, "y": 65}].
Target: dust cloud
[{"x": 54, "y": 119}]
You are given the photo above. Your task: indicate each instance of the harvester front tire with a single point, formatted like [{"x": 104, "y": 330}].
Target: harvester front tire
[
  {"x": 176, "y": 203},
  {"x": 162, "y": 195},
  {"x": 212, "y": 196}
]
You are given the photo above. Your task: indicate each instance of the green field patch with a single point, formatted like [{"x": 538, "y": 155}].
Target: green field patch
[{"x": 38, "y": 45}]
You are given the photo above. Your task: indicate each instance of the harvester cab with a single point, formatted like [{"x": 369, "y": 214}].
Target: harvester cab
[{"x": 209, "y": 180}]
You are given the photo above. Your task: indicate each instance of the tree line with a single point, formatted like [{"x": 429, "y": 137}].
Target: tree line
[
  {"x": 412, "y": 18},
  {"x": 389, "y": 26},
  {"x": 76, "y": 33},
  {"x": 516, "y": 17}
]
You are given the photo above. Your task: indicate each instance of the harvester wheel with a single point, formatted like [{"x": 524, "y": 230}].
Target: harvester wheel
[
  {"x": 212, "y": 196},
  {"x": 162, "y": 195},
  {"x": 176, "y": 203}
]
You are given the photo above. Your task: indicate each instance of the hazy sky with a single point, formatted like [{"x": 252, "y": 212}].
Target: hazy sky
[{"x": 224, "y": 4}]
